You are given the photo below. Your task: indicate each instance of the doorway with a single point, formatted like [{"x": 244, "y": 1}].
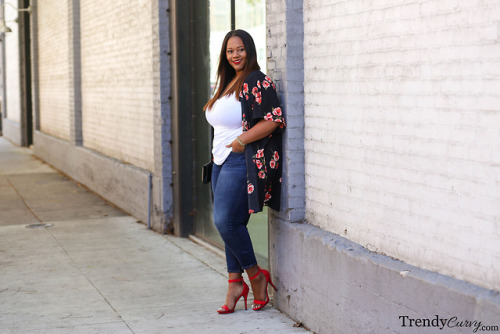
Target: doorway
[
  {"x": 25, "y": 53},
  {"x": 226, "y": 15}
]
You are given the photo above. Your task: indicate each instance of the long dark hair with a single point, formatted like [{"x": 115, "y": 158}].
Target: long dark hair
[{"x": 225, "y": 72}]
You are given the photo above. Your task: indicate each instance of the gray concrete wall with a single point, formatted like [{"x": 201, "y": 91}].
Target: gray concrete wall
[
  {"x": 333, "y": 285},
  {"x": 12, "y": 131},
  {"x": 124, "y": 185}
]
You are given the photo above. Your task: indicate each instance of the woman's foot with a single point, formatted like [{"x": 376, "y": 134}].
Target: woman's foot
[
  {"x": 259, "y": 288},
  {"x": 259, "y": 278},
  {"x": 234, "y": 291},
  {"x": 237, "y": 288}
]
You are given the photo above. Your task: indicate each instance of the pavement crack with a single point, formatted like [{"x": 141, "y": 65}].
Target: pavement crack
[
  {"x": 72, "y": 316},
  {"x": 24, "y": 201}
]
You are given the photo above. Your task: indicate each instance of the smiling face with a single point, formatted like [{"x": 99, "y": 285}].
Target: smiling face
[{"x": 236, "y": 54}]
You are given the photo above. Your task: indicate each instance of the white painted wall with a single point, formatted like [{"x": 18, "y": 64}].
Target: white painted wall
[
  {"x": 54, "y": 72},
  {"x": 12, "y": 69},
  {"x": 117, "y": 79},
  {"x": 402, "y": 130}
]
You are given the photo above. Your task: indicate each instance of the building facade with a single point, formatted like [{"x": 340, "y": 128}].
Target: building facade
[{"x": 391, "y": 170}]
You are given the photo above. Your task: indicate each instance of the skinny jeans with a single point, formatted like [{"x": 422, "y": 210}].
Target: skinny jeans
[{"x": 229, "y": 186}]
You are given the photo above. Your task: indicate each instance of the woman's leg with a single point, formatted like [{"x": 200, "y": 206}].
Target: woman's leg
[
  {"x": 231, "y": 217},
  {"x": 231, "y": 260},
  {"x": 231, "y": 213}
]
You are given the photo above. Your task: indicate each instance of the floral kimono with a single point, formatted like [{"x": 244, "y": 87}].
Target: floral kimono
[{"x": 263, "y": 157}]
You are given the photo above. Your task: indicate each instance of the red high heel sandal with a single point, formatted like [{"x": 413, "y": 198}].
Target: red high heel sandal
[
  {"x": 262, "y": 303},
  {"x": 224, "y": 309}
]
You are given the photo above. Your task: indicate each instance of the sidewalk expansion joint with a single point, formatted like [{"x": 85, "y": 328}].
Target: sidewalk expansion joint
[
  {"x": 24, "y": 201},
  {"x": 90, "y": 281}
]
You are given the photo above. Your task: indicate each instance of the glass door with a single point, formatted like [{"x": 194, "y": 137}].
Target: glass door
[
  {"x": 224, "y": 16},
  {"x": 250, "y": 15}
]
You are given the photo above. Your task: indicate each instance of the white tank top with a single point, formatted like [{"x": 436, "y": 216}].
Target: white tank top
[{"x": 225, "y": 117}]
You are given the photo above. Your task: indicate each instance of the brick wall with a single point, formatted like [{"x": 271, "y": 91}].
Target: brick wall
[
  {"x": 12, "y": 70},
  {"x": 54, "y": 59},
  {"x": 117, "y": 80},
  {"x": 402, "y": 128}
]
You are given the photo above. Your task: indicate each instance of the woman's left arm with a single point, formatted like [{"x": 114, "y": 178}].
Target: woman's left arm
[{"x": 260, "y": 130}]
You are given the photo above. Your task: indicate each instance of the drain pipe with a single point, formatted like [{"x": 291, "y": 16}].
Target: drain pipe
[{"x": 150, "y": 187}]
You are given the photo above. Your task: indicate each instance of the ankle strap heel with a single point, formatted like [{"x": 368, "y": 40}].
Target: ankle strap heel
[
  {"x": 259, "y": 304},
  {"x": 224, "y": 309}
]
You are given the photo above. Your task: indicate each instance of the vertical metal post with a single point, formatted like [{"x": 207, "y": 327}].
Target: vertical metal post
[
  {"x": 182, "y": 173},
  {"x": 76, "y": 133},
  {"x": 35, "y": 68},
  {"x": 233, "y": 15},
  {"x": 24, "y": 26},
  {"x": 150, "y": 189},
  {"x": 190, "y": 91},
  {"x": 2, "y": 68}
]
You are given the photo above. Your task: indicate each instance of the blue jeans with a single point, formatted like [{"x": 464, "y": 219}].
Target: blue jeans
[{"x": 229, "y": 186}]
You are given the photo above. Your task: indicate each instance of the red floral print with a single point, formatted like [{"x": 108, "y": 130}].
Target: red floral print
[
  {"x": 258, "y": 97},
  {"x": 260, "y": 101},
  {"x": 258, "y": 163}
]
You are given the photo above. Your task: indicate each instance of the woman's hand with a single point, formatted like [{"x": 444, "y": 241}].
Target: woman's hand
[
  {"x": 260, "y": 130},
  {"x": 236, "y": 146}
]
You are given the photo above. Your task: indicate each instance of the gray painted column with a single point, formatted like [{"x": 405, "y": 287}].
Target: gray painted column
[
  {"x": 162, "y": 209},
  {"x": 75, "y": 73},
  {"x": 286, "y": 67},
  {"x": 35, "y": 88},
  {"x": 285, "y": 60}
]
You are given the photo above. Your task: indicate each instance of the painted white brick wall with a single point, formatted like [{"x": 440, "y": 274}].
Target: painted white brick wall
[
  {"x": 54, "y": 62},
  {"x": 12, "y": 69},
  {"x": 117, "y": 79},
  {"x": 402, "y": 130}
]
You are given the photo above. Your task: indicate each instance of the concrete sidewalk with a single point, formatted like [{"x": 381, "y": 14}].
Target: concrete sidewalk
[{"x": 72, "y": 263}]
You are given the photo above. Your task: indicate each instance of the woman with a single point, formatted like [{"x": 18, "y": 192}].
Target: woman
[{"x": 246, "y": 174}]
